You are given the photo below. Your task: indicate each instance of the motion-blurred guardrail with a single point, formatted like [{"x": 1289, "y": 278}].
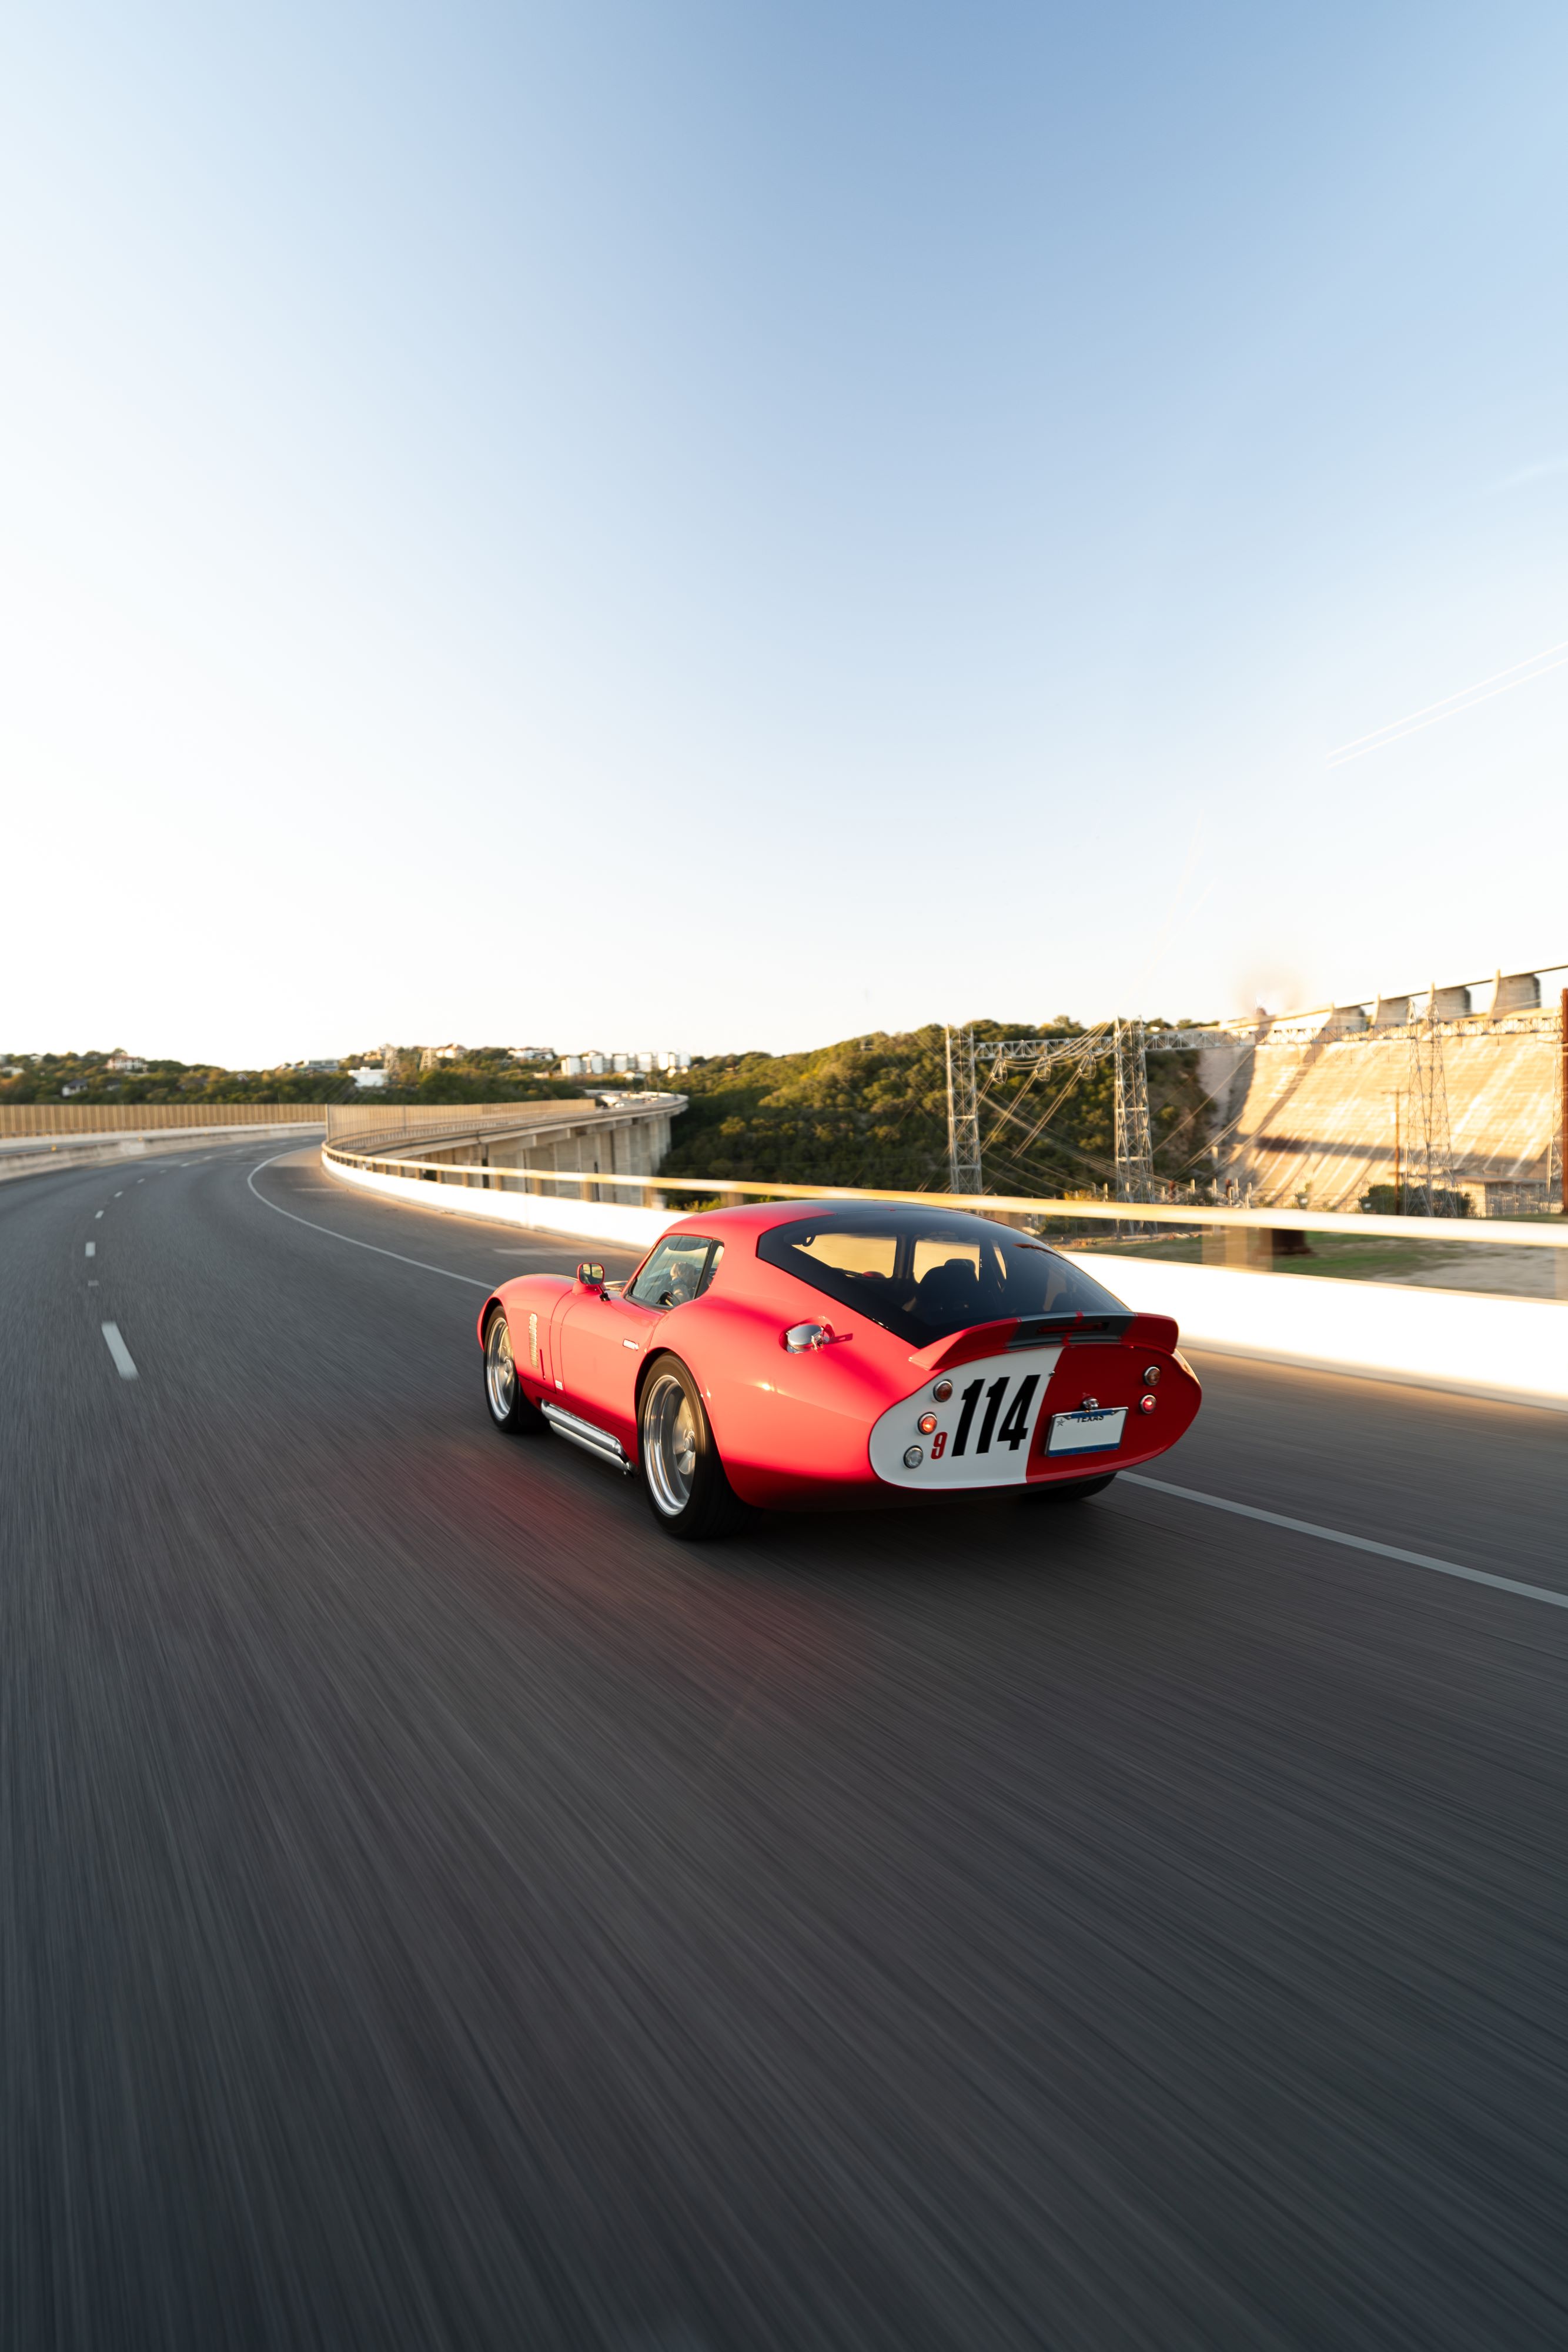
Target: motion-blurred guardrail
[{"x": 1514, "y": 1349}]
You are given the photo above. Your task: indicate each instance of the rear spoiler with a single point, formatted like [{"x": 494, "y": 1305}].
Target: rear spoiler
[{"x": 1018, "y": 1332}]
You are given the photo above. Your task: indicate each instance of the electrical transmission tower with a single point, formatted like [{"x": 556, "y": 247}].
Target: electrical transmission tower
[
  {"x": 1129, "y": 1040},
  {"x": 1134, "y": 1149},
  {"x": 1431, "y": 1145},
  {"x": 963, "y": 1114}
]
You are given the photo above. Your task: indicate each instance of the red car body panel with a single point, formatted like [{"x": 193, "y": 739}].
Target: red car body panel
[{"x": 798, "y": 1430}]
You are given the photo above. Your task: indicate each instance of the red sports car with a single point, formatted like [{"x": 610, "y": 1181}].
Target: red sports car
[{"x": 829, "y": 1353}]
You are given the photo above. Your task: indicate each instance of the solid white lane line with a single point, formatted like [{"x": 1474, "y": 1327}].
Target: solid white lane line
[
  {"x": 118, "y": 1350},
  {"x": 93, "y": 1249},
  {"x": 1350, "y": 1543},
  {"x": 423, "y": 1263}
]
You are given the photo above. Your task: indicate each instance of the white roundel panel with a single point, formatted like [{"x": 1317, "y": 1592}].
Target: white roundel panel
[{"x": 983, "y": 1430}]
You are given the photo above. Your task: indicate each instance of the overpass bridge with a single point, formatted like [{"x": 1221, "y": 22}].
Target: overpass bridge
[{"x": 614, "y": 1134}]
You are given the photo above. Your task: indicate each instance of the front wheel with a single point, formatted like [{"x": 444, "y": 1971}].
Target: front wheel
[
  {"x": 509, "y": 1408},
  {"x": 682, "y": 1474}
]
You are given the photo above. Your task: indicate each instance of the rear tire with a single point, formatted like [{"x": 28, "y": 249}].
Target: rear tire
[
  {"x": 683, "y": 1475},
  {"x": 509, "y": 1408},
  {"x": 1075, "y": 1490}
]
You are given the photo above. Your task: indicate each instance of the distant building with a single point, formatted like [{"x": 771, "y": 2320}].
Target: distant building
[
  {"x": 121, "y": 1060},
  {"x": 368, "y": 1078},
  {"x": 74, "y": 1086},
  {"x": 530, "y": 1052},
  {"x": 589, "y": 1063}
]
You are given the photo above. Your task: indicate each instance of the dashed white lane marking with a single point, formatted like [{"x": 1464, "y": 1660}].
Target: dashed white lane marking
[
  {"x": 98, "y": 1213},
  {"x": 123, "y": 1363},
  {"x": 93, "y": 1249},
  {"x": 1350, "y": 1543},
  {"x": 423, "y": 1263}
]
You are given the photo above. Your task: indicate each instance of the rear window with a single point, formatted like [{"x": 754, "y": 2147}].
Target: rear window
[{"x": 924, "y": 1273}]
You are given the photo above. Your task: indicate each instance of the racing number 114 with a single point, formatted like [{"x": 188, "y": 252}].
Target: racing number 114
[{"x": 1014, "y": 1429}]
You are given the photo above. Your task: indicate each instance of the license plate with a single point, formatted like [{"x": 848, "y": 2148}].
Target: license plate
[{"x": 1087, "y": 1432}]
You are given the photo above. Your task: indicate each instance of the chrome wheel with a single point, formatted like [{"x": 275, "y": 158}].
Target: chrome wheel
[
  {"x": 669, "y": 1444},
  {"x": 500, "y": 1372}
]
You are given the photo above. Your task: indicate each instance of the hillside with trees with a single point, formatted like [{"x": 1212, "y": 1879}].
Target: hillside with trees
[
  {"x": 867, "y": 1110},
  {"x": 483, "y": 1074},
  {"x": 874, "y": 1111}
]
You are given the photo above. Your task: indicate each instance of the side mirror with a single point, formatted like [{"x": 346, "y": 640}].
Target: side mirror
[{"x": 592, "y": 1276}]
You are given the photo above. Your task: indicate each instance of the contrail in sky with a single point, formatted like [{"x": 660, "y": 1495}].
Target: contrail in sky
[{"x": 1486, "y": 690}]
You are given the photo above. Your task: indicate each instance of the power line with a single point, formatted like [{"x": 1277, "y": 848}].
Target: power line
[
  {"x": 1469, "y": 698},
  {"x": 1129, "y": 1040}
]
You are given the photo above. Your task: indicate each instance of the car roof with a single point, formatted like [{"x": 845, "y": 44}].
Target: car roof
[
  {"x": 754, "y": 1217},
  {"x": 747, "y": 1218}
]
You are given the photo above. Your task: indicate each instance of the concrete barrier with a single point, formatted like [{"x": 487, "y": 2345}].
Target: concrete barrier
[
  {"x": 1513, "y": 1350},
  {"x": 588, "y": 1220}
]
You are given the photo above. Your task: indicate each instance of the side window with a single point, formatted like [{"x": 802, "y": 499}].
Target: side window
[
  {"x": 680, "y": 1268},
  {"x": 853, "y": 1253}
]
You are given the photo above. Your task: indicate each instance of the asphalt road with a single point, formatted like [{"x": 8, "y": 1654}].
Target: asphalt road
[{"x": 438, "y": 1911}]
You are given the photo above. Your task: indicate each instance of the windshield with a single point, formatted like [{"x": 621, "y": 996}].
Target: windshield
[{"x": 924, "y": 1274}]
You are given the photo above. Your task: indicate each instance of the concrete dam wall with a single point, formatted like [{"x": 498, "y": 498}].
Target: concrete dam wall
[
  {"x": 1316, "y": 1107},
  {"x": 1318, "y": 1115}
]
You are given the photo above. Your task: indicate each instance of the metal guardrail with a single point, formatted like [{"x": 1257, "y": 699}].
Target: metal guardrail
[{"x": 1490, "y": 1232}]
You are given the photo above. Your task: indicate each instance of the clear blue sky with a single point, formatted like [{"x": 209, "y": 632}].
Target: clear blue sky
[{"x": 710, "y": 525}]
